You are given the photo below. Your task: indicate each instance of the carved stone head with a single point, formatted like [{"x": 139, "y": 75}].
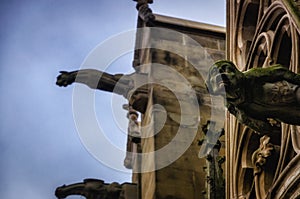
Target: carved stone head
[{"x": 224, "y": 79}]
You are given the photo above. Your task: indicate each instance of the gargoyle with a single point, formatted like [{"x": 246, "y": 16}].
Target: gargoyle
[
  {"x": 132, "y": 86},
  {"x": 118, "y": 83},
  {"x": 91, "y": 189},
  {"x": 258, "y": 95}
]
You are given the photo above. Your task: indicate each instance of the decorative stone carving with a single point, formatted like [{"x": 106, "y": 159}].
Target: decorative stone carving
[
  {"x": 133, "y": 136},
  {"x": 91, "y": 189},
  {"x": 145, "y": 12},
  {"x": 133, "y": 126},
  {"x": 257, "y": 95},
  {"x": 212, "y": 140},
  {"x": 131, "y": 86},
  {"x": 215, "y": 182},
  {"x": 260, "y": 156},
  {"x": 261, "y": 34},
  {"x": 95, "y": 79}
]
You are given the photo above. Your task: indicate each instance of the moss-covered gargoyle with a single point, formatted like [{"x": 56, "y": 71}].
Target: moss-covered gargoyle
[{"x": 259, "y": 96}]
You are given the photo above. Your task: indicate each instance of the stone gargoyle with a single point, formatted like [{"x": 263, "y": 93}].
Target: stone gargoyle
[
  {"x": 132, "y": 86},
  {"x": 259, "y": 96},
  {"x": 91, "y": 189},
  {"x": 95, "y": 79}
]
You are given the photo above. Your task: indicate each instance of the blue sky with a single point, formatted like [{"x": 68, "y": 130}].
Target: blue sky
[{"x": 39, "y": 146}]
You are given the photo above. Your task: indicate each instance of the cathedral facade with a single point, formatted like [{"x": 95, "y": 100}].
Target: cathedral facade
[
  {"x": 261, "y": 34},
  {"x": 171, "y": 60}
]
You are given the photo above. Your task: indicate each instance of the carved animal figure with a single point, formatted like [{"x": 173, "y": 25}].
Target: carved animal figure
[
  {"x": 118, "y": 83},
  {"x": 132, "y": 86},
  {"x": 258, "y": 95},
  {"x": 91, "y": 189}
]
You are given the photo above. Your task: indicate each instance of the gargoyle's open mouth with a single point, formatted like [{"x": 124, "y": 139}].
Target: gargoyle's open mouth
[{"x": 222, "y": 81}]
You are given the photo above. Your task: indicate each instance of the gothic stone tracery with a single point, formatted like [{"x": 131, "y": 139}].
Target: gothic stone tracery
[{"x": 262, "y": 33}]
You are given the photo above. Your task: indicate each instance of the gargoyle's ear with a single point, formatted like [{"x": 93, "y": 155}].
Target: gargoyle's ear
[{"x": 63, "y": 72}]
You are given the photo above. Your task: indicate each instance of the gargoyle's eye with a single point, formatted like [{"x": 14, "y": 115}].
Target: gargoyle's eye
[
  {"x": 214, "y": 71},
  {"x": 228, "y": 68}
]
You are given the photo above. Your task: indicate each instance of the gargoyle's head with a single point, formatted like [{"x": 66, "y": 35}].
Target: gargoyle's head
[{"x": 224, "y": 79}]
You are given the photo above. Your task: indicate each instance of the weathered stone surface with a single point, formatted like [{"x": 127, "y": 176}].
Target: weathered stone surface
[
  {"x": 257, "y": 29},
  {"x": 129, "y": 191},
  {"x": 180, "y": 98}
]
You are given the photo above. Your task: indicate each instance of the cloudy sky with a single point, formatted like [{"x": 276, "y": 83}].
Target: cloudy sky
[{"x": 40, "y": 147}]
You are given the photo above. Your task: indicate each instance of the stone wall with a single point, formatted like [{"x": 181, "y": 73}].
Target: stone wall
[{"x": 176, "y": 59}]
